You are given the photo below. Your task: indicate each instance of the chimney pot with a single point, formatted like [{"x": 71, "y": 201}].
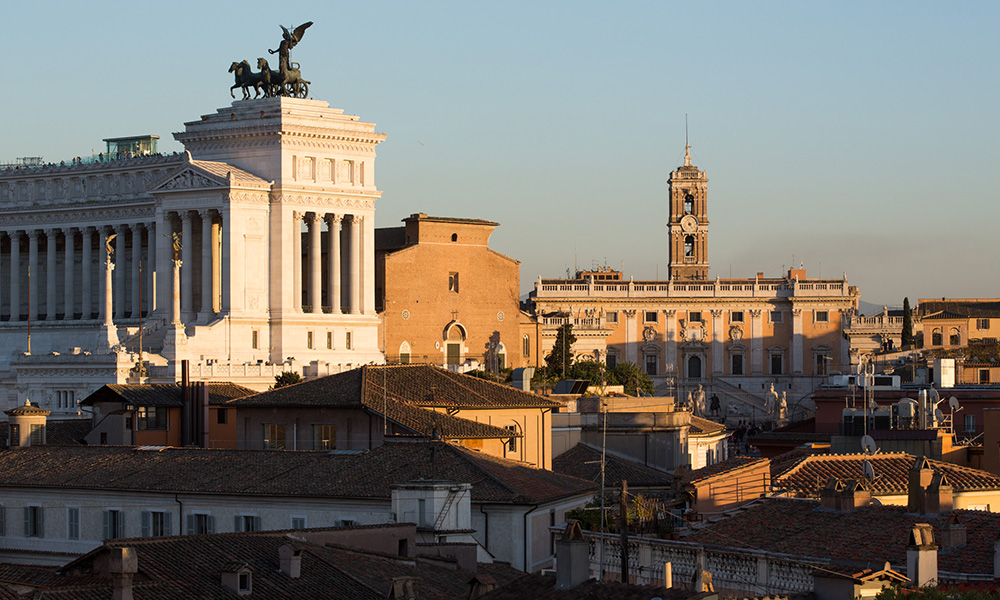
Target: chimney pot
[{"x": 290, "y": 560}]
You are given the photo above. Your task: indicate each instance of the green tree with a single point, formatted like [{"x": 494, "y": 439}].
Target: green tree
[
  {"x": 591, "y": 370},
  {"x": 561, "y": 358},
  {"x": 286, "y": 378},
  {"x": 907, "y": 341},
  {"x": 629, "y": 374}
]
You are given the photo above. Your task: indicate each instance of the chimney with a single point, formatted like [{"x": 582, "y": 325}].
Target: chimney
[
  {"x": 521, "y": 378},
  {"x": 480, "y": 585},
  {"x": 920, "y": 477},
  {"x": 123, "y": 565},
  {"x": 829, "y": 497},
  {"x": 939, "y": 497},
  {"x": 953, "y": 534},
  {"x": 921, "y": 556},
  {"x": 854, "y": 495},
  {"x": 572, "y": 557},
  {"x": 402, "y": 589},
  {"x": 290, "y": 560}
]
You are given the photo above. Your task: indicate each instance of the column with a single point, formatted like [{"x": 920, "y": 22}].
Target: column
[
  {"x": 630, "y": 345},
  {"x": 756, "y": 342},
  {"x": 187, "y": 273},
  {"x": 333, "y": 266},
  {"x": 149, "y": 293},
  {"x": 315, "y": 263},
  {"x": 670, "y": 341},
  {"x": 119, "y": 261},
  {"x": 109, "y": 267},
  {"x": 355, "y": 264},
  {"x": 164, "y": 268},
  {"x": 367, "y": 265},
  {"x": 175, "y": 304},
  {"x": 33, "y": 274},
  {"x": 86, "y": 264},
  {"x": 717, "y": 359},
  {"x": 15, "y": 275},
  {"x": 136, "y": 268},
  {"x": 796, "y": 350},
  {"x": 216, "y": 301},
  {"x": 296, "y": 261},
  {"x": 101, "y": 269},
  {"x": 50, "y": 273},
  {"x": 207, "y": 284},
  {"x": 69, "y": 289}
]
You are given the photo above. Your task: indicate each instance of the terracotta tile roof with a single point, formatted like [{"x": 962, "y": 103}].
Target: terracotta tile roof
[
  {"x": 959, "y": 309},
  {"x": 367, "y": 475},
  {"x": 729, "y": 465},
  {"x": 58, "y": 432},
  {"x": 809, "y": 474},
  {"x": 162, "y": 394},
  {"x": 428, "y": 422},
  {"x": 700, "y": 426},
  {"x": 869, "y": 535},
  {"x": 185, "y": 567},
  {"x": 542, "y": 587},
  {"x": 418, "y": 385},
  {"x": 584, "y": 462}
]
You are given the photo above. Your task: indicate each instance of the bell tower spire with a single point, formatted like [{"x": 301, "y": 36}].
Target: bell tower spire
[{"x": 688, "y": 190}]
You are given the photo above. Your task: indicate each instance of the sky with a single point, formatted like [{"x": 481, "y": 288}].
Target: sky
[{"x": 856, "y": 138}]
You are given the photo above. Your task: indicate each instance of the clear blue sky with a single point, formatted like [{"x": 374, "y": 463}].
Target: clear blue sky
[{"x": 857, "y": 137}]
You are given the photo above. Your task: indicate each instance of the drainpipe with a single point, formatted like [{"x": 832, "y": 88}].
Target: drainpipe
[
  {"x": 525, "y": 531},
  {"x": 486, "y": 526},
  {"x": 180, "y": 515}
]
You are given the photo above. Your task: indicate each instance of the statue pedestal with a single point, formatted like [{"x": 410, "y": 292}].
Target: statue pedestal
[
  {"x": 107, "y": 338},
  {"x": 778, "y": 423},
  {"x": 175, "y": 342}
]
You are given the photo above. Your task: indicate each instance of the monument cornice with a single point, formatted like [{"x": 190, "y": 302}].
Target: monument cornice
[
  {"x": 324, "y": 200},
  {"x": 83, "y": 217}
]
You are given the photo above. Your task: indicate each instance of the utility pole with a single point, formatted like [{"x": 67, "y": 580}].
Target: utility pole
[{"x": 623, "y": 529}]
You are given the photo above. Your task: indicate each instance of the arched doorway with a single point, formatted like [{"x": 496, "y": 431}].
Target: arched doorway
[{"x": 694, "y": 367}]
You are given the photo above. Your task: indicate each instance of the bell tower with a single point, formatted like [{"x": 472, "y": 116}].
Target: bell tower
[{"x": 688, "y": 188}]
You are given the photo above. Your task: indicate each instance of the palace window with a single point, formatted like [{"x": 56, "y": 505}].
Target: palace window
[
  {"x": 982, "y": 324},
  {"x": 246, "y": 523},
  {"x": 694, "y": 367},
  {"x": 689, "y": 246},
  {"x": 694, "y": 316},
  {"x": 65, "y": 399},
  {"x": 822, "y": 363},
  {"x": 114, "y": 524},
  {"x": 274, "y": 436},
  {"x": 309, "y": 340},
  {"x": 611, "y": 361},
  {"x": 150, "y": 417},
  {"x": 736, "y": 316},
  {"x": 324, "y": 437},
  {"x": 156, "y": 523},
  {"x": 453, "y": 282},
  {"x": 512, "y": 443},
  {"x": 822, "y": 316},
  {"x": 736, "y": 364},
  {"x": 955, "y": 339},
  {"x": 688, "y": 204},
  {"x": 611, "y": 317},
  {"x": 776, "y": 316},
  {"x": 936, "y": 337},
  {"x": 200, "y": 523},
  {"x": 651, "y": 360},
  {"x": 255, "y": 339},
  {"x": 350, "y": 341},
  {"x": 526, "y": 341},
  {"x": 777, "y": 361},
  {"x": 329, "y": 340},
  {"x": 73, "y": 523},
  {"x": 650, "y": 316},
  {"x": 34, "y": 524}
]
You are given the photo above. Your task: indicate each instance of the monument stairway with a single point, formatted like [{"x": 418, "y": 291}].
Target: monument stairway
[
  {"x": 153, "y": 335},
  {"x": 740, "y": 394}
]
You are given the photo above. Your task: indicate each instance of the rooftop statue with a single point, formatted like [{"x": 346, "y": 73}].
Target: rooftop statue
[{"x": 286, "y": 81}]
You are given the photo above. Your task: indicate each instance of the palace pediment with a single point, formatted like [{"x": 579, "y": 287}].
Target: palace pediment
[{"x": 207, "y": 175}]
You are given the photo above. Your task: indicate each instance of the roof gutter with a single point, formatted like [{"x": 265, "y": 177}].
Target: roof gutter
[{"x": 524, "y": 531}]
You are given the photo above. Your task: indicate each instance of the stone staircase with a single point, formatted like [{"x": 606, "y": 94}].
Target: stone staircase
[{"x": 737, "y": 393}]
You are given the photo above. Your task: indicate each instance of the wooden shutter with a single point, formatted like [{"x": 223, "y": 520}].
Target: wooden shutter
[
  {"x": 167, "y": 529},
  {"x": 147, "y": 519},
  {"x": 107, "y": 525}
]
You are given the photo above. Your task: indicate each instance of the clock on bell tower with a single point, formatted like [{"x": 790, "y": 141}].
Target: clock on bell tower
[{"x": 688, "y": 187}]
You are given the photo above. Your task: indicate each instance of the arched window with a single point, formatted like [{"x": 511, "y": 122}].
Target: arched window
[
  {"x": 526, "y": 340},
  {"x": 694, "y": 367},
  {"x": 936, "y": 338},
  {"x": 689, "y": 245},
  {"x": 688, "y": 204},
  {"x": 404, "y": 353},
  {"x": 501, "y": 357},
  {"x": 454, "y": 237},
  {"x": 955, "y": 339}
]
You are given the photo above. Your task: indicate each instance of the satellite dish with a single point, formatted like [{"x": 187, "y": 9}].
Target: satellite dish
[
  {"x": 934, "y": 396},
  {"x": 938, "y": 415},
  {"x": 868, "y": 470},
  {"x": 876, "y": 502},
  {"x": 953, "y": 403},
  {"x": 868, "y": 445}
]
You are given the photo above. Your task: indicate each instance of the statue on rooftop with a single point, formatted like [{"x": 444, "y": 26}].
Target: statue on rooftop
[{"x": 286, "y": 81}]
